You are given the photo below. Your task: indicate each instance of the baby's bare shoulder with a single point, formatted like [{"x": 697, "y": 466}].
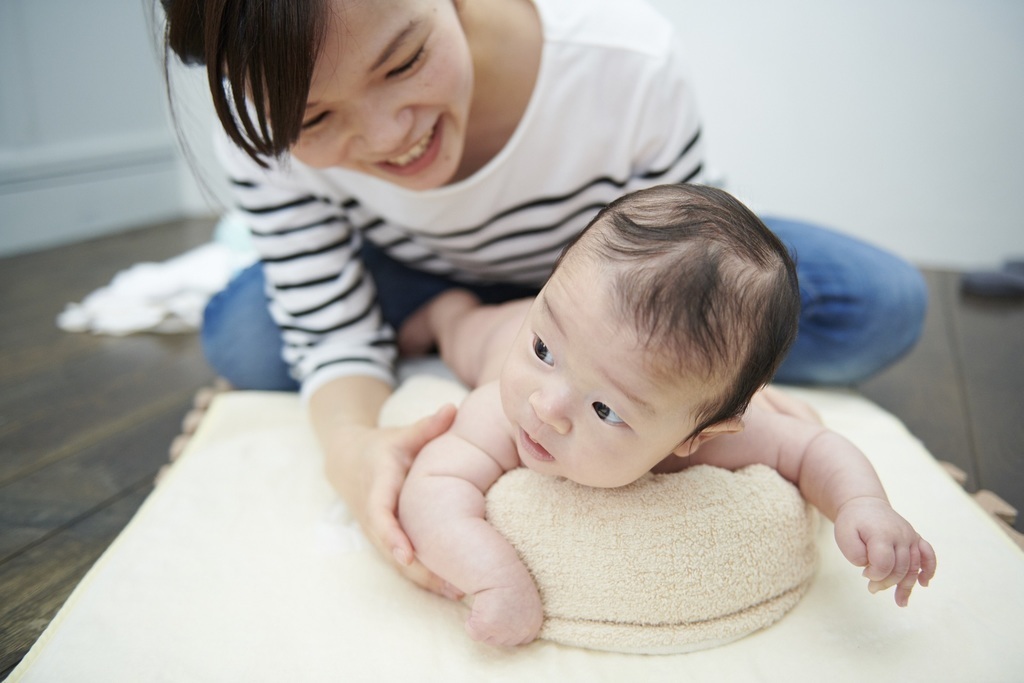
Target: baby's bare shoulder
[
  {"x": 482, "y": 422},
  {"x": 484, "y": 401}
]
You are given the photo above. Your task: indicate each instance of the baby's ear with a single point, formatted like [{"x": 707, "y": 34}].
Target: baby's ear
[{"x": 690, "y": 446}]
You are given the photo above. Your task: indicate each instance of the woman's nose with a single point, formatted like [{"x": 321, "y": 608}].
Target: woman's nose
[
  {"x": 381, "y": 130},
  {"x": 550, "y": 407}
]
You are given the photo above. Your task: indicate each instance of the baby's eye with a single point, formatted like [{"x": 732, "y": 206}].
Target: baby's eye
[
  {"x": 541, "y": 351},
  {"x": 606, "y": 414}
]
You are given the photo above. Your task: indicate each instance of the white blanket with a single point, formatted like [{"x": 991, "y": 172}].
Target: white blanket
[
  {"x": 168, "y": 296},
  {"x": 244, "y": 566}
]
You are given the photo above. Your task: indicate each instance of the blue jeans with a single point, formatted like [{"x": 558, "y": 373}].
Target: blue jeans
[
  {"x": 863, "y": 308},
  {"x": 243, "y": 343}
]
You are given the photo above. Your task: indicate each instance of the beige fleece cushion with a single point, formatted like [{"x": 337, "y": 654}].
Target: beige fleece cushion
[{"x": 671, "y": 563}]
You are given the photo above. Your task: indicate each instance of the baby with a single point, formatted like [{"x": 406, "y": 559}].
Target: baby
[{"x": 646, "y": 351}]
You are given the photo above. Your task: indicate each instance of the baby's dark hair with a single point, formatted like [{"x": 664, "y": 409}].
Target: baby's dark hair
[
  {"x": 707, "y": 284},
  {"x": 265, "y": 49}
]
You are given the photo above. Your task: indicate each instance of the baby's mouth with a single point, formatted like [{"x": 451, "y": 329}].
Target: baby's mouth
[
  {"x": 533, "y": 448},
  {"x": 415, "y": 153}
]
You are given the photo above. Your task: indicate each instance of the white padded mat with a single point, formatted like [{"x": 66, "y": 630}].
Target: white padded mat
[{"x": 244, "y": 566}]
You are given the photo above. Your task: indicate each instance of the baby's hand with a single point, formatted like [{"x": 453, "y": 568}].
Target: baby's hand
[
  {"x": 509, "y": 615},
  {"x": 871, "y": 535}
]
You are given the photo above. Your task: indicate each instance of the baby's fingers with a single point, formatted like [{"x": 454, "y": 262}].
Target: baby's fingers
[
  {"x": 883, "y": 560},
  {"x": 928, "y": 562},
  {"x": 906, "y": 584},
  {"x": 887, "y": 566}
]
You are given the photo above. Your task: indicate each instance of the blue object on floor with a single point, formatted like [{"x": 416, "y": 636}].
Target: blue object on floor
[{"x": 1007, "y": 282}]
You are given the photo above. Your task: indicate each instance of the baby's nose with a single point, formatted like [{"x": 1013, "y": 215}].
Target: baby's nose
[{"x": 550, "y": 408}]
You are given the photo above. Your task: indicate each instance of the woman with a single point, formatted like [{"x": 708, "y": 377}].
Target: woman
[{"x": 385, "y": 151}]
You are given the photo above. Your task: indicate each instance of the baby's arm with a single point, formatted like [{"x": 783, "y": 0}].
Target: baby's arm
[
  {"x": 836, "y": 477},
  {"x": 442, "y": 510}
]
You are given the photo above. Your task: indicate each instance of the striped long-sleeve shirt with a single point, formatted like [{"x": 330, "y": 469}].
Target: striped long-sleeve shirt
[{"x": 613, "y": 110}]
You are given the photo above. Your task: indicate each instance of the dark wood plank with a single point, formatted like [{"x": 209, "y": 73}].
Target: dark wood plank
[
  {"x": 65, "y": 391},
  {"x": 990, "y": 335},
  {"x": 35, "y": 584},
  {"x": 35, "y": 506},
  {"x": 35, "y": 287},
  {"x": 84, "y": 399},
  {"x": 83, "y": 266},
  {"x": 923, "y": 389}
]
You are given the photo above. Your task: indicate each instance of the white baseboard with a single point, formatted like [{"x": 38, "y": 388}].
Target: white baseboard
[{"x": 67, "y": 193}]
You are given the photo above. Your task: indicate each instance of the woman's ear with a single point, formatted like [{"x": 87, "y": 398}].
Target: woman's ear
[{"x": 687, "y": 448}]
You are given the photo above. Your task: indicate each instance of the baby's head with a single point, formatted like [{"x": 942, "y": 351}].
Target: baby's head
[
  {"x": 662, "y": 319},
  {"x": 708, "y": 286}
]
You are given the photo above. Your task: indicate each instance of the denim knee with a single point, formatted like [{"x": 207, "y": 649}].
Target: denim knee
[
  {"x": 863, "y": 307},
  {"x": 240, "y": 340},
  {"x": 908, "y": 302},
  {"x": 858, "y": 341}
]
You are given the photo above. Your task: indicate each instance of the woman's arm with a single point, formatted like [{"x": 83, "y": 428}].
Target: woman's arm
[
  {"x": 320, "y": 294},
  {"x": 335, "y": 341},
  {"x": 367, "y": 465}
]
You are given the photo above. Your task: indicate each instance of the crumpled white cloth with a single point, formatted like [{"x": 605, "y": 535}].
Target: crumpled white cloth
[{"x": 166, "y": 297}]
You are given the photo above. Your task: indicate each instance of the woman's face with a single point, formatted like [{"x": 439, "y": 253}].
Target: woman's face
[{"x": 391, "y": 92}]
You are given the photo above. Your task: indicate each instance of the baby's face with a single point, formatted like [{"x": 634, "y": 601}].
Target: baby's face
[{"x": 578, "y": 389}]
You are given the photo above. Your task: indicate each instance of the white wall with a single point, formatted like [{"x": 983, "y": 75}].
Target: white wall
[
  {"x": 84, "y": 142},
  {"x": 204, "y": 188},
  {"x": 901, "y": 121},
  {"x": 895, "y": 120}
]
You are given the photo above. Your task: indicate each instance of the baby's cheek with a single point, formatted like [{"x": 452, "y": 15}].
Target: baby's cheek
[
  {"x": 600, "y": 472},
  {"x": 506, "y": 395},
  {"x": 514, "y": 390}
]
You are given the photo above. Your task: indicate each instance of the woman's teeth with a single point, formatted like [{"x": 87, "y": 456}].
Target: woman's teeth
[{"x": 415, "y": 153}]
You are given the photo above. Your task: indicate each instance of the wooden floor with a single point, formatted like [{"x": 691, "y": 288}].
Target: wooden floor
[{"x": 86, "y": 421}]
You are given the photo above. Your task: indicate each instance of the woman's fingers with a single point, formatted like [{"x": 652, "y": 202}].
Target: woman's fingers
[
  {"x": 390, "y": 470},
  {"x": 428, "y": 428}
]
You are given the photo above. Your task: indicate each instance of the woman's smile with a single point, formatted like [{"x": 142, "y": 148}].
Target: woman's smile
[
  {"x": 419, "y": 157},
  {"x": 415, "y": 153},
  {"x": 395, "y": 104}
]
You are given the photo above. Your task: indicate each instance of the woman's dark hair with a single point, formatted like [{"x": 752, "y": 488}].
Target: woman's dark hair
[
  {"x": 259, "y": 57},
  {"x": 705, "y": 281}
]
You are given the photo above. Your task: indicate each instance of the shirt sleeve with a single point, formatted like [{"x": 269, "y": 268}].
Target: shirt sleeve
[{"x": 318, "y": 290}]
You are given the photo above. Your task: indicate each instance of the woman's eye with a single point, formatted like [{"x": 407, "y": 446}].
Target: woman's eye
[
  {"x": 606, "y": 414},
  {"x": 540, "y": 349},
  {"x": 313, "y": 122},
  {"x": 398, "y": 71}
]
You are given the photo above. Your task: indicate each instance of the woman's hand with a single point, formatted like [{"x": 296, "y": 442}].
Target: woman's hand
[
  {"x": 386, "y": 456},
  {"x": 367, "y": 465}
]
